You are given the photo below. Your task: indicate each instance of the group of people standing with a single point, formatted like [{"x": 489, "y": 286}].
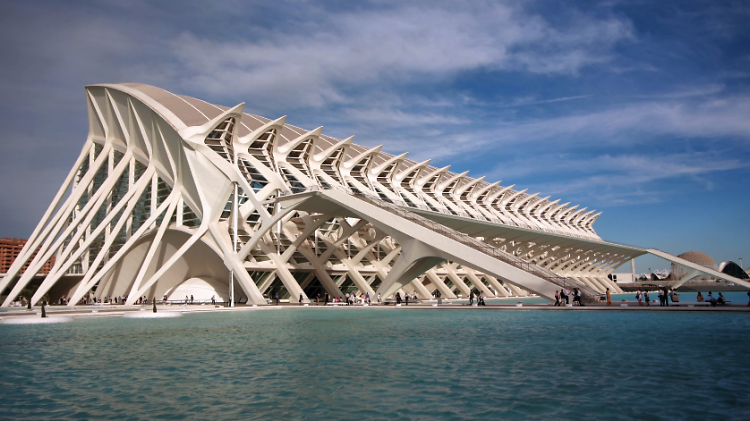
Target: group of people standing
[
  {"x": 665, "y": 295},
  {"x": 480, "y": 298},
  {"x": 348, "y": 299},
  {"x": 405, "y": 300}
]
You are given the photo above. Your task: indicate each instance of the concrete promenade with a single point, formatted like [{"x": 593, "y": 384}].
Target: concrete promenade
[{"x": 120, "y": 310}]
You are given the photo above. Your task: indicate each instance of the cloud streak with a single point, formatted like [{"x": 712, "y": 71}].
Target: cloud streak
[{"x": 393, "y": 46}]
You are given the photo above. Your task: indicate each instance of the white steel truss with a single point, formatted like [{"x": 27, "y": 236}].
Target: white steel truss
[{"x": 150, "y": 201}]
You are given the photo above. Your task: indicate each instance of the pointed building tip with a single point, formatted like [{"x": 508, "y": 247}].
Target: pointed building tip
[{"x": 317, "y": 131}]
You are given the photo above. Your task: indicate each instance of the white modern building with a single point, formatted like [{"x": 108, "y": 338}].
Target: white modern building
[{"x": 172, "y": 196}]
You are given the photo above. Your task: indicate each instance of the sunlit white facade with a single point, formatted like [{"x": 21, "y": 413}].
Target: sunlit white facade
[{"x": 173, "y": 194}]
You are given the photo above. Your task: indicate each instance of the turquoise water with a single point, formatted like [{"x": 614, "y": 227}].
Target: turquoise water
[{"x": 378, "y": 364}]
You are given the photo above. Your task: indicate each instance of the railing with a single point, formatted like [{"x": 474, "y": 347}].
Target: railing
[{"x": 589, "y": 294}]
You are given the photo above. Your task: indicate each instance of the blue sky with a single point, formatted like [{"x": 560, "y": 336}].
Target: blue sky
[{"x": 638, "y": 109}]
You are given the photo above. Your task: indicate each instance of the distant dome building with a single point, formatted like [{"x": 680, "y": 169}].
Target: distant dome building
[{"x": 695, "y": 257}]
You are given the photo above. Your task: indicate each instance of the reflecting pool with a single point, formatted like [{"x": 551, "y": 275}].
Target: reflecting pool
[{"x": 376, "y": 364}]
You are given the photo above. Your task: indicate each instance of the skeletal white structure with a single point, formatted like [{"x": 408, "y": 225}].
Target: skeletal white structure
[{"x": 170, "y": 190}]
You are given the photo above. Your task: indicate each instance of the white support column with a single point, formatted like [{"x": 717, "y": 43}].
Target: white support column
[
  {"x": 414, "y": 262},
  {"x": 420, "y": 288},
  {"x": 130, "y": 199},
  {"x": 440, "y": 285},
  {"x": 91, "y": 277},
  {"x": 155, "y": 243},
  {"x": 451, "y": 272},
  {"x": 478, "y": 282}
]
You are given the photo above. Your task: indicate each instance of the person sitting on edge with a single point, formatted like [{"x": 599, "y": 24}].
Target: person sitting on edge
[
  {"x": 711, "y": 299},
  {"x": 675, "y": 297},
  {"x": 699, "y": 298},
  {"x": 721, "y": 299}
]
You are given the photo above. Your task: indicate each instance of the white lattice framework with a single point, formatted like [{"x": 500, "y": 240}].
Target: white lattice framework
[{"x": 148, "y": 205}]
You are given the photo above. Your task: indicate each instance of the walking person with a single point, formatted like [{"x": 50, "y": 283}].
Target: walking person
[
  {"x": 367, "y": 297},
  {"x": 471, "y": 297},
  {"x": 666, "y": 297},
  {"x": 213, "y": 300},
  {"x": 609, "y": 298},
  {"x": 300, "y": 299},
  {"x": 648, "y": 299},
  {"x": 327, "y": 298},
  {"x": 398, "y": 298},
  {"x": 557, "y": 298},
  {"x": 579, "y": 296},
  {"x": 380, "y": 301},
  {"x": 639, "y": 297},
  {"x": 567, "y": 295},
  {"x": 406, "y": 297},
  {"x": 276, "y": 297}
]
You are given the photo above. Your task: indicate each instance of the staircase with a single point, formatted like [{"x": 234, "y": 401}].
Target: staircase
[{"x": 589, "y": 295}]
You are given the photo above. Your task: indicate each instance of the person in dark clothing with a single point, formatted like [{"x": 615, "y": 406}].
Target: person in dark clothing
[
  {"x": 327, "y": 299},
  {"x": 471, "y": 297},
  {"x": 398, "y": 298},
  {"x": 276, "y": 297},
  {"x": 300, "y": 299}
]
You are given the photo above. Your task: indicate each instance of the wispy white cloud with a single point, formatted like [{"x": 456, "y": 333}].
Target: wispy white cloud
[
  {"x": 618, "y": 179},
  {"x": 399, "y": 45}
]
